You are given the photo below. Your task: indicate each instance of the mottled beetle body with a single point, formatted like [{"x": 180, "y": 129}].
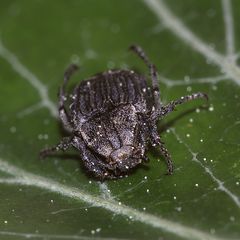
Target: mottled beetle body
[{"x": 112, "y": 118}]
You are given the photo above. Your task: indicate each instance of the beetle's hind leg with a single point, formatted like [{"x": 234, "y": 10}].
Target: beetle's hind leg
[
  {"x": 63, "y": 145},
  {"x": 154, "y": 77},
  {"x": 172, "y": 105},
  {"x": 63, "y": 114}
]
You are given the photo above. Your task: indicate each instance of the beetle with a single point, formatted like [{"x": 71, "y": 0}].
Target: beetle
[{"x": 112, "y": 119}]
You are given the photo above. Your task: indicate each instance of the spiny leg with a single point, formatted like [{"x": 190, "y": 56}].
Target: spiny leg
[
  {"x": 154, "y": 77},
  {"x": 64, "y": 116},
  {"x": 63, "y": 145},
  {"x": 172, "y": 105},
  {"x": 156, "y": 141},
  {"x": 92, "y": 162},
  {"x": 167, "y": 157}
]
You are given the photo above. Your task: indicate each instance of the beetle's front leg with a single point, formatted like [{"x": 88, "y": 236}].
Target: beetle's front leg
[
  {"x": 156, "y": 141},
  {"x": 92, "y": 162},
  {"x": 63, "y": 145}
]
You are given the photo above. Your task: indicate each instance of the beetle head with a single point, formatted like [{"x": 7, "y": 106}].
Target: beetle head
[{"x": 127, "y": 157}]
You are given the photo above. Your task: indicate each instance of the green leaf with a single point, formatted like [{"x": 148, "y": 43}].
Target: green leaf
[{"x": 194, "y": 45}]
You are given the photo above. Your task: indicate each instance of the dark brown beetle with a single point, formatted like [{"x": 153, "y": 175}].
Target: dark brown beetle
[{"x": 112, "y": 119}]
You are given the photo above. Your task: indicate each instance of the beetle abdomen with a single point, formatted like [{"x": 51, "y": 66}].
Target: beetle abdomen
[{"x": 106, "y": 90}]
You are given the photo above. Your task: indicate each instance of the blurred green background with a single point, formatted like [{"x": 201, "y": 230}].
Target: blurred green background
[{"x": 195, "y": 46}]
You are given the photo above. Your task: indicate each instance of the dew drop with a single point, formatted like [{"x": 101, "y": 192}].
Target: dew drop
[
  {"x": 212, "y": 231},
  {"x": 75, "y": 59},
  {"x": 186, "y": 78},
  {"x": 201, "y": 140},
  {"x": 189, "y": 89},
  {"x": 191, "y": 120},
  {"x": 214, "y": 87},
  {"x": 211, "y": 108},
  {"x": 90, "y": 54},
  {"x": 188, "y": 135},
  {"x": 13, "y": 129},
  {"x": 174, "y": 197},
  {"x": 110, "y": 64},
  {"x": 147, "y": 190},
  {"x": 179, "y": 209},
  {"x": 196, "y": 184}
]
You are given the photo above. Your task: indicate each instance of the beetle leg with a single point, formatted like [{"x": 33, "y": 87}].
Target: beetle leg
[
  {"x": 92, "y": 162},
  {"x": 172, "y": 105},
  {"x": 153, "y": 74},
  {"x": 63, "y": 114},
  {"x": 167, "y": 157},
  {"x": 156, "y": 141},
  {"x": 63, "y": 145}
]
